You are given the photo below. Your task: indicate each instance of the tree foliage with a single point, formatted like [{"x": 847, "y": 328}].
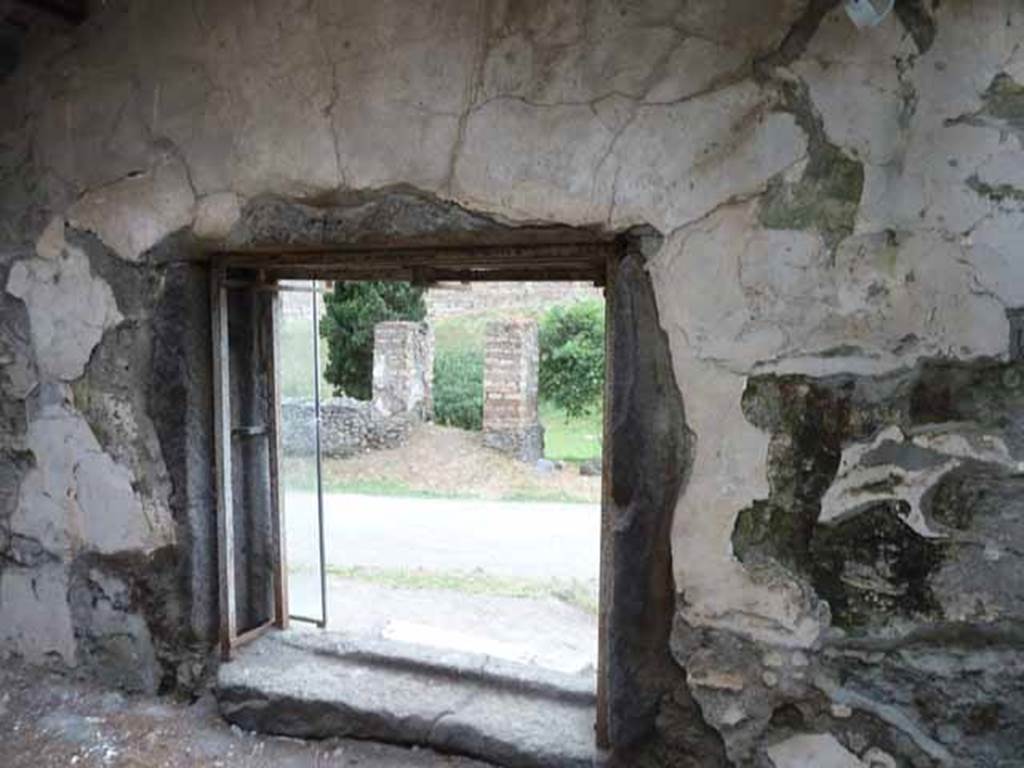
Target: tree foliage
[
  {"x": 572, "y": 357},
  {"x": 351, "y": 312},
  {"x": 459, "y": 387}
]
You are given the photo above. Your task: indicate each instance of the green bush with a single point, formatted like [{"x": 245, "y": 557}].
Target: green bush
[
  {"x": 350, "y": 313},
  {"x": 572, "y": 357},
  {"x": 459, "y": 387}
]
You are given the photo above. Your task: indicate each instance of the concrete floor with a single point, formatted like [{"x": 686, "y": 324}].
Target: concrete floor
[
  {"x": 545, "y": 632},
  {"x": 51, "y": 721}
]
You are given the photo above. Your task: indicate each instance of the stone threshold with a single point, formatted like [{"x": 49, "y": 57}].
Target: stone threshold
[{"x": 317, "y": 684}]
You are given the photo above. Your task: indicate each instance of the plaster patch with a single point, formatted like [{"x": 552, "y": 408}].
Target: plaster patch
[
  {"x": 750, "y": 299},
  {"x": 135, "y": 213},
  {"x": 35, "y": 619},
  {"x": 861, "y": 483},
  {"x": 674, "y": 164},
  {"x": 216, "y": 214},
  {"x": 729, "y": 471},
  {"x": 69, "y": 308},
  {"x": 812, "y": 750},
  {"x": 76, "y": 497}
]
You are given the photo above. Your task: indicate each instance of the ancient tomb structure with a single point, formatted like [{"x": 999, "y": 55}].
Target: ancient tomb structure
[
  {"x": 818, "y": 499},
  {"x": 403, "y": 368},
  {"x": 511, "y": 422}
]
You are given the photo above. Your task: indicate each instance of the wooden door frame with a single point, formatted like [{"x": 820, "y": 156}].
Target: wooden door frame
[
  {"x": 229, "y": 636},
  {"x": 608, "y": 257}
]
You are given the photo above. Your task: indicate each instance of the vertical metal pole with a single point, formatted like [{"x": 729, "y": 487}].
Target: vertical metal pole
[
  {"x": 222, "y": 454},
  {"x": 319, "y": 469},
  {"x": 280, "y": 548}
]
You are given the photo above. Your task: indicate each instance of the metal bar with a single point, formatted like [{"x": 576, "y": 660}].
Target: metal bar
[
  {"x": 304, "y": 619},
  {"x": 222, "y": 452},
  {"x": 277, "y": 528},
  {"x": 319, "y": 460}
]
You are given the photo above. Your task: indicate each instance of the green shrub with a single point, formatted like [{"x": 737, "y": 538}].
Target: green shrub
[
  {"x": 459, "y": 387},
  {"x": 572, "y": 357},
  {"x": 350, "y": 313}
]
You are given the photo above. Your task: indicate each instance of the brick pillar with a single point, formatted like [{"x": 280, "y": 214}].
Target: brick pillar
[
  {"x": 511, "y": 362},
  {"x": 403, "y": 366}
]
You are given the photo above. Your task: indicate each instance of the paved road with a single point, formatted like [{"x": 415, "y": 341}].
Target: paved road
[{"x": 512, "y": 539}]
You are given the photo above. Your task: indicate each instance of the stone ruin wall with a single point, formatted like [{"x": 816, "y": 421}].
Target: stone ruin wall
[
  {"x": 403, "y": 365},
  {"x": 347, "y": 427},
  {"x": 511, "y": 421},
  {"x": 461, "y": 299},
  {"x": 842, "y": 214}
]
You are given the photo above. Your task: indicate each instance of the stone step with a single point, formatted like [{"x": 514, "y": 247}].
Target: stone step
[{"x": 320, "y": 685}]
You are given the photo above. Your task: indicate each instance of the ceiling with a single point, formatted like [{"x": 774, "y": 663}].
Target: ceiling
[{"x": 20, "y": 19}]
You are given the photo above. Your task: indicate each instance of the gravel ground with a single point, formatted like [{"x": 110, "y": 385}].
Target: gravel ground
[{"x": 48, "y": 720}]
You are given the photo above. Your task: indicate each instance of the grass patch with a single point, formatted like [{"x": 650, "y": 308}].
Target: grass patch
[
  {"x": 299, "y": 474},
  {"x": 530, "y": 494},
  {"x": 475, "y": 582},
  {"x": 568, "y": 439}
]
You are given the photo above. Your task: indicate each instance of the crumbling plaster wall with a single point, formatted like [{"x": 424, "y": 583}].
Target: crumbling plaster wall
[{"x": 834, "y": 203}]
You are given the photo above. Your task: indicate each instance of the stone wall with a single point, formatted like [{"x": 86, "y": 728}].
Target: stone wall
[
  {"x": 842, "y": 213},
  {"x": 347, "y": 427},
  {"x": 511, "y": 423},
  {"x": 448, "y": 300},
  {"x": 403, "y": 366}
]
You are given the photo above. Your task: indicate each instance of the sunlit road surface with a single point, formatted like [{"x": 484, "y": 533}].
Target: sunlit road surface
[{"x": 529, "y": 540}]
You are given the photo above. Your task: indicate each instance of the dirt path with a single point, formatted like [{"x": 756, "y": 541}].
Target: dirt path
[{"x": 446, "y": 461}]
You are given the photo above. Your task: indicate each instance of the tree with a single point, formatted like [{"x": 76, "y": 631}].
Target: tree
[
  {"x": 572, "y": 357},
  {"x": 351, "y": 312}
]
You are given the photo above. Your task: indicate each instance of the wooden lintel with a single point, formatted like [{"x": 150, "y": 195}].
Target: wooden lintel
[
  {"x": 433, "y": 276},
  {"x": 559, "y": 255}
]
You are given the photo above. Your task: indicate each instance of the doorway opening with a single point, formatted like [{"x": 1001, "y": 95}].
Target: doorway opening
[
  {"x": 441, "y": 465},
  {"x": 302, "y": 683}
]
